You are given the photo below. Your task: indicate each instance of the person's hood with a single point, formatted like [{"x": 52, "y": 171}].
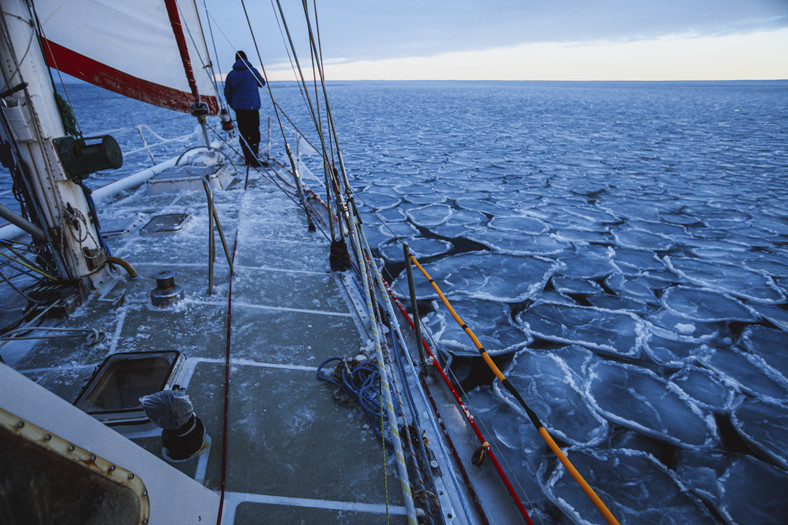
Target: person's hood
[{"x": 241, "y": 64}]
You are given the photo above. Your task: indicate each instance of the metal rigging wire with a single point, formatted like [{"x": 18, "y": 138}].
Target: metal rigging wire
[
  {"x": 315, "y": 119},
  {"x": 279, "y": 121},
  {"x": 213, "y": 40}
]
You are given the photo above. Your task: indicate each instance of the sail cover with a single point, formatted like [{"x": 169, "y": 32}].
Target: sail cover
[{"x": 131, "y": 47}]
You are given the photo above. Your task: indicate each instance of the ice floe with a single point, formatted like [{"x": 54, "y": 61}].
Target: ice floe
[
  {"x": 682, "y": 219},
  {"x": 634, "y": 485},
  {"x": 668, "y": 254},
  {"x": 421, "y": 247},
  {"x": 770, "y": 345},
  {"x": 495, "y": 277},
  {"x": 519, "y": 224},
  {"x": 765, "y": 427},
  {"x": 705, "y": 305},
  {"x": 700, "y": 471},
  {"x": 580, "y": 236},
  {"x": 642, "y": 240},
  {"x": 632, "y": 260},
  {"x": 430, "y": 215},
  {"x": 379, "y": 201},
  {"x": 586, "y": 265},
  {"x": 708, "y": 389},
  {"x": 614, "y": 302},
  {"x": 752, "y": 491},
  {"x": 671, "y": 326},
  {"x": 749, "y": 372},
  {"x": 549, "y": 388},
  {"x": 517, "y": 243},
  {"x": 637, "y": 398},
  {"x": 459, "y": 222},
  {"x": 490, "y": 322},
  {"x": 483, "y": 206},
  {"x": 574, "y": 285},
  {"x": 734, "y": 280},
  {"x": 638, "y": 287},
  {"x": 608, "y": 331}
]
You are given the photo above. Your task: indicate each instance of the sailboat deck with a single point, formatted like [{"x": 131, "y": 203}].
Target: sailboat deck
[{"x": 293, "y": 453}]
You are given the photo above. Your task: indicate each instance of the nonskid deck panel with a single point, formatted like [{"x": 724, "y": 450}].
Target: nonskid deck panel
[{"x": 293, "y": 453}]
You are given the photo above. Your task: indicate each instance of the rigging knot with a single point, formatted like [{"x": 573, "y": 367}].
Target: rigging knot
[{"x": 481, "y": 452}]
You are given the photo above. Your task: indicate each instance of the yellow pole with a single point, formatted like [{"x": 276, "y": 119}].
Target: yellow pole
[{"x": 584, "y": 486}]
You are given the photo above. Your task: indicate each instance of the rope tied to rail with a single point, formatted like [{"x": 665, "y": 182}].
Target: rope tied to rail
[{"x": 584, "y": 486}]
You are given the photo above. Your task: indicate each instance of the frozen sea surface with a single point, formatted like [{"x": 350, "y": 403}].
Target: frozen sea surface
[
  {"x": 622, "y": 246},
  {"x": 637, "y": 234}
]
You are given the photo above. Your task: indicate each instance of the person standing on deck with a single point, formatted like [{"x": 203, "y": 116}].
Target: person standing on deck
[{"x": 241, "y": 92}]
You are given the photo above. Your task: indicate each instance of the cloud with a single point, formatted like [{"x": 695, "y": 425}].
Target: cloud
[
  {"x": 416, "y": 28},
  {"x": 759, "y": 55},
  {"x": 431, "y": 32}
]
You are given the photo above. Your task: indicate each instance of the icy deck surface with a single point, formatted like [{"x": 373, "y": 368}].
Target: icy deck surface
[{"x": 294, "y": 454}]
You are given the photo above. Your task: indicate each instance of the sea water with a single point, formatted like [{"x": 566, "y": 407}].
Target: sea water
[{"x": 620, "y": 247}]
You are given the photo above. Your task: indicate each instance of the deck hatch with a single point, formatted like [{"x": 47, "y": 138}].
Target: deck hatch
[
  {"x": 165, "y": 224},
  {"x": 112, "y": 394},
  {"x": 119, "y": 228},
  {"x": 189, "y": 178}
]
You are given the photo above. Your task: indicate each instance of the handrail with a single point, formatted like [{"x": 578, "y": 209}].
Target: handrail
[
  {"x": 212, "y": 215},
  {"x": 586, "y": 488}
]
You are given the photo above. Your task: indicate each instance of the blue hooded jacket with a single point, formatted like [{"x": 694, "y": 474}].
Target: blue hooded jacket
[{"x": 240, "y": 86}]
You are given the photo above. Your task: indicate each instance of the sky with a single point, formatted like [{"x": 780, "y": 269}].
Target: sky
[{"x": 517, "y": 39}]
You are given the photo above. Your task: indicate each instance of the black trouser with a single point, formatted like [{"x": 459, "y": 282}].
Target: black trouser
[{"x": 249, "y": 129}]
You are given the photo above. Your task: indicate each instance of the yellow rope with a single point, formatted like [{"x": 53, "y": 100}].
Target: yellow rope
[
  {"x": 596, "y": 500},
  {"x": 30, "y": 267}
]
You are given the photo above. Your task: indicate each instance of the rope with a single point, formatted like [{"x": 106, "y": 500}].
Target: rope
[
  {"x": 398, "y": 396},
  {"x": 468, "y": 417},
  {"x": 225, "y": 418},
  {"x": 586, "y": 488},
  {"x": 392, "y": 316},
  {"x": 207, "y": 67},
  {"x": 28, "y": 265},
  {"x": 215, "y": 51},
  {"x": 360, "y": 382},
  {"x": 400, "y": 460},
  {"x": 43, "y": 41}
]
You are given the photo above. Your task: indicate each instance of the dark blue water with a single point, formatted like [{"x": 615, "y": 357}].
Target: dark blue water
[{"x": 621, "y": 247}]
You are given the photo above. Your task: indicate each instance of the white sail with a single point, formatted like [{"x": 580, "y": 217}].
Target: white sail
[{"x": 131, "y": 47}]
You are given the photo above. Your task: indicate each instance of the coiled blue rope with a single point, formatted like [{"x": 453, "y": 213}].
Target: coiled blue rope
[{"x": 358, "y": 381}]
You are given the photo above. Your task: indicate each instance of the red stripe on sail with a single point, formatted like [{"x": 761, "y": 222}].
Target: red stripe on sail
[
  {"x": 177, "y": 30},
  {"x": 102, "y": 75}
]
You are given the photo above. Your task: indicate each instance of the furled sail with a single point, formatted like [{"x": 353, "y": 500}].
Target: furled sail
[{"x": 150, "y": 50}]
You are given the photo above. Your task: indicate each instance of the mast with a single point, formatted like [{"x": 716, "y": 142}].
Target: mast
[
  {"x": 199, "y": 109},
  {"x": 33, "y": 110}
]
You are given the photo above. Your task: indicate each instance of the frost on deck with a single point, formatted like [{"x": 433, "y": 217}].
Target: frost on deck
[{"x": 289, "y": 443}]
